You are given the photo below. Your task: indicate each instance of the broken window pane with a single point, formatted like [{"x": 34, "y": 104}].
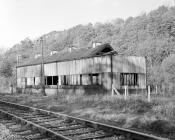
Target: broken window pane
[{"x": 55, "y": 80}]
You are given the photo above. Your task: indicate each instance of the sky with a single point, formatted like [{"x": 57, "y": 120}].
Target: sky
[{"x": 32, "y": 18}]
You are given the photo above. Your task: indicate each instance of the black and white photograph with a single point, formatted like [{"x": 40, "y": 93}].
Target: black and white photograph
[{"x": 87, "y": 69}]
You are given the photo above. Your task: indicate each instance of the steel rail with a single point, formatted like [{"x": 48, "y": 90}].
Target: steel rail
[{"x": 107, "y": 128}]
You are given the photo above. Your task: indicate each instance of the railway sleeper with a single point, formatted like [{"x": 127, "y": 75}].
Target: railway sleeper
[
  {"x": 69, "y": 128},
  {"x": 86, "y": 137},
  {"x": 45, "y": 120},
  {"x": 36, "y": 118}
]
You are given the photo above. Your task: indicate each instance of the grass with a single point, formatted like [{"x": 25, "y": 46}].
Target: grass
[
  {"x": 157, "y": 116},
  {"x": 5, "y": 133}
]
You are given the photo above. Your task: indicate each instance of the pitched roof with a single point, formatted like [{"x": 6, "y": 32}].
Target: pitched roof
[{"x": 74, "y": 54}]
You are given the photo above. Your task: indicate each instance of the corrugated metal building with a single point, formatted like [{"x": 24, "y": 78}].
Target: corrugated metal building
[{"x": 86, "y": 70}]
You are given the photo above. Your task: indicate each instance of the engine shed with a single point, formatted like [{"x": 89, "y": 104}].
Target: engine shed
[{"x": 95, "y": 70}]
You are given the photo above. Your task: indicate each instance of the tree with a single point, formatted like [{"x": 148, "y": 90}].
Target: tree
[
  {"x": 168, "y": 66},
  {"x": 6, "y": 69}
]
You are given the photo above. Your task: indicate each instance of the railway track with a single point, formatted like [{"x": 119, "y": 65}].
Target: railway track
[
  {"x": 45, "y": 125},
  {"x": 19, "y": 131}
]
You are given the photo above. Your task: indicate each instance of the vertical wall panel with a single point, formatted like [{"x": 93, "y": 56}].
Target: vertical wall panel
[
  {"x": 71, "y": 66},
  {"x": 30, "y": 81},
  {"x": 142, "y": 81},
  {"x": 29, "y": 71},
  {"x": 37, "y": 80},
  {"x": 129, "y": 64},
  {"x": 50, "y": 69},
  {"x": 77, "y": 67},
  {"x": 19, "y": 82},
  {"x": 96, "y": 65},
  {"x": 108, "y": 63}
]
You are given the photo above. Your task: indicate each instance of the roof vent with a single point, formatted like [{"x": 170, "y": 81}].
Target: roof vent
[
  {"x": 37, "y": 55},
  {"x": 53, "y": 52},
  {"x": 72, "y": 48},
  {"x": 95, "y": 44}
]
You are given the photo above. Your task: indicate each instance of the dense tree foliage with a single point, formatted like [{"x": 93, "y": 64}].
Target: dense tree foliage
[
  {"x": 151, "y": 35},
  {"x": 6, "y": 69}
]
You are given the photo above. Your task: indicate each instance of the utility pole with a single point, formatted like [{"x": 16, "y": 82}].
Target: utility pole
[
  {"x": 42, "y": 69},
  {"x": 17, "y": 61}
]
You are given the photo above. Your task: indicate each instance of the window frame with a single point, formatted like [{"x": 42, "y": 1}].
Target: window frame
[{"x": 129, "y": 79}]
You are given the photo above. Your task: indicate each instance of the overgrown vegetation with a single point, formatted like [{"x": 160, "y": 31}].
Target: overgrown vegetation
[
  {"x": 136, "y": 113},
  {"x": 149, "y": 34},
  {"x": 5, "y": 133}
]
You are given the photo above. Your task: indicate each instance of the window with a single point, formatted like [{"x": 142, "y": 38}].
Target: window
[
  {"x": 34, "y": 80},
  {"x": 64, "y": 80},
  {"x": 55, "y": 80},
  {"x": 49, "y": 80},
  {"x": 95, "y": 79},
  {"x": 78, "y": 79},
  {"x": 30, "y": 81},
  {"x": 130, "y": 79}
]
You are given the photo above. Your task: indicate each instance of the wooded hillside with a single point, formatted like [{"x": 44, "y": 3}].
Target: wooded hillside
[{"x": 151, "y": 35}]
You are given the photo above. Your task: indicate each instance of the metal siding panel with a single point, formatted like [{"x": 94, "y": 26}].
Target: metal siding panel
[
  {"x": 37, "y": 80},
  {"x": 117, "y": 64},
  {"x": 32, "y": 71},
  {"x": 137, "y": 64},
  {"x": 38, "y": 74},
  {"x": 96, "y": 66},
  {"x": 60, "y": 71},
  {"x": 50, "y": 69},
  {"x": 19, "y": 82},
  {"x": 74, "y": 67},
  {"x": 20, "y": 72},
  {"x": 108, "y": 63},
  {"x": 125, "y": 65},
  {"x": 142, "y": 81},
  {"x": 116, "y": 80},
  {"x": 66, "y": 68},
  {"x": 103, "y": 64},
  {"x": 129, "y": 64},
  {"x": 28, "y": 71},
  {"x": 143, "y": 64},
  {"x": 91, "y": 65},
  {"x": 58, "y": 68},
  {"x": 87, "y": 65},
  {"x": 71, "y": 67},
  {"x": 63, "y": 68},
  {"x": 83, "y": 66},
  {"x": 77, "y": 67},
  {"x": 99, "y": 64}
]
